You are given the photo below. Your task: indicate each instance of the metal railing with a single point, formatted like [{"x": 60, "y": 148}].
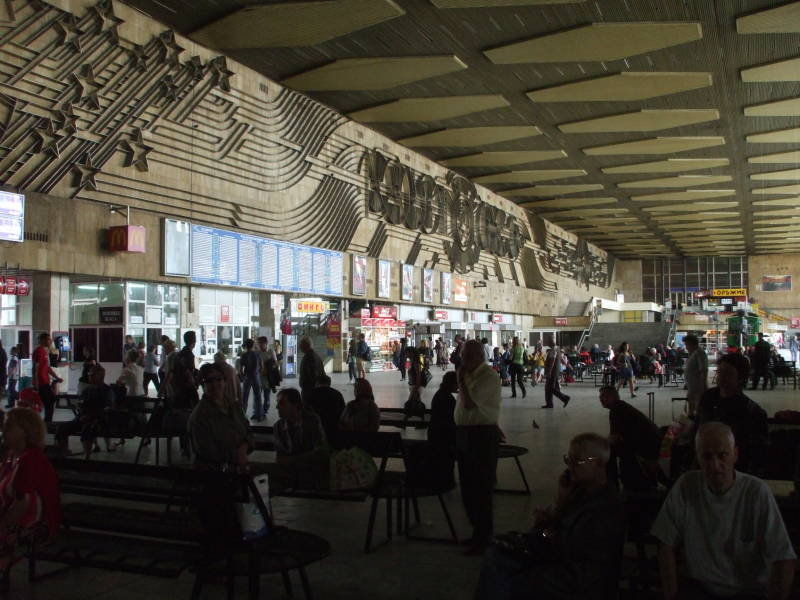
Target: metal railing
[
  {"x": 673, "y": 326},
  {"x": 587, "y": 333}
]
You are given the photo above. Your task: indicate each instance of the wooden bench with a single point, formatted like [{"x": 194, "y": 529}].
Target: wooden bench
[{"x": 164, "y": 535}]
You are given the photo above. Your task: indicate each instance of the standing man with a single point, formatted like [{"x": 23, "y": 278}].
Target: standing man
[
  {"x": 250, "y": 373},
  {"x": 477, "y": 441},
  {"x": 487, "y": 351},
  {"x": 695, "y": 372},
  {"x": 793, "y": 349},
  {"x": 13, "y": 378},
  {"x": 552, "y": 371},
  {"x": 363, "y": 355},
  {"x": 760, "y": 358},
  {"x": 42, "y": 374},
  {"x": 518, "y": 359},
  {"x": 184, "y": 377},
  {"x": 3, "y": 369},
  {"x": 268, "y": 362},
  {"x": 129, "y": 345},
  {"x": 725, "y": 526},
  {"x": 310, "y": 370},
  {"x": 455, "y": 355}
]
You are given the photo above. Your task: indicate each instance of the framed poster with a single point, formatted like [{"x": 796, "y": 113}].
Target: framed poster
[
  {"x": 460, "y": 290},
  {"x": 447, "y": 288},
  {"x": 427, "y": 285},
  {"x": 384, "y": 278},
  {"x": 776, "y": 283},
  {"x": 408, "y": 282},
  {"x": 359, "y": 275}
]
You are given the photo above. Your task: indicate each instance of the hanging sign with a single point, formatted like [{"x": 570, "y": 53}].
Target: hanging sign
[{"x": 126, "y": 238}]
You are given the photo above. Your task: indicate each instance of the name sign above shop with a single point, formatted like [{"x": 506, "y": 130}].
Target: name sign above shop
[
  {"x": 729, "y": 292},
  {"x": 365, "y": 322},
  {"x": 111, "y": 315},
  {"x": 384, "y": 312},
  {"x": 222, "y": 257},
  {"x": 310, "y": 307}
]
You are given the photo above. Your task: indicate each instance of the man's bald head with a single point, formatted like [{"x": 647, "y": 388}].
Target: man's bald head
[{"x": 714, "y": 432}]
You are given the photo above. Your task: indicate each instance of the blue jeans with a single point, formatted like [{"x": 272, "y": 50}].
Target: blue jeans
[{"x": 252, "y": 383}]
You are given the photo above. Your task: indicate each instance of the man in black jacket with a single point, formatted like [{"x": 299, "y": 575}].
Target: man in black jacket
[{"x": 575, "y": 546}]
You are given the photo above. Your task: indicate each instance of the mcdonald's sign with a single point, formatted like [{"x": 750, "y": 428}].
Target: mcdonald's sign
[{"x": 126, "y": 238}]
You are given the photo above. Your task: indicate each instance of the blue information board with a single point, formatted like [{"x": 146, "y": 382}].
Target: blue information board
[{"x": 221, "y": 257}]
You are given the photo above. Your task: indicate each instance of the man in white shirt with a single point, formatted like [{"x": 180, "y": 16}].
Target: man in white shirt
[
  {"x": 487, "y": 352},
  {"x": 695, "y": 372},
  {"x": 477, "y": 440},
  {"x": 727, "y": 528}
]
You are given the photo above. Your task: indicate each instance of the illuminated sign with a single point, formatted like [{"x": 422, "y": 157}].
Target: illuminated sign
[
  {"x": 726, "y": 292},
  {"x": 384, "y": 312},
  {"x": 126, "y": 238},
  {"x": 307, "y": 307}
]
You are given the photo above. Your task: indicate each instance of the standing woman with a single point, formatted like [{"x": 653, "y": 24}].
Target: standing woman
[
  {"x": 351, "y": 360},
  {"x": 623, "y": 360}
]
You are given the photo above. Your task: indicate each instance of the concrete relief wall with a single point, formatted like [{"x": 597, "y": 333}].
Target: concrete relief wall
[
  {"x": 628, "y": 279},
  {"x": 769, "y": 279},
  {"x": 101, "y": 105}
]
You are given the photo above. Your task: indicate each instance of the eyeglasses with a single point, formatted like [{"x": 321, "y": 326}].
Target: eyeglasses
[{"x": 571, "y": 460}]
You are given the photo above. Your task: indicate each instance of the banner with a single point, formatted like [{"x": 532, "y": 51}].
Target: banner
[
  {"x": 447, "y": 288},
  {"x": 427, "y": 285},
  {"x": 384, "y": 278},
  {"x": 407, "y": 292},
  {"x": 776, "y": 283},
  {"x": 359, "y": 275},
  {"x": 460, "y": 290}
]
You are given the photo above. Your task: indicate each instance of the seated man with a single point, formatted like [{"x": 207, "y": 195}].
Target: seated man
[
  {"x": 726, "y": 527},
  {"x": 300, "y": 444},
  {"x": 574, "y": 546},
  {"x": 634, "y": 440},
  {"x": 90, "y": 421},
  {"x": 328, "y": 403}
]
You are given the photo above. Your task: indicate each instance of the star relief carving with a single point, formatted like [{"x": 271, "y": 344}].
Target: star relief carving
[
  {"x": 68, "y": 32},
  {"x": 168, "y": 48},
  {"x": 108, "y": 22},
  {"x": 47, "y": 140},
  {"x": 66, "y": 118},
  {"x": 136, "y": 151},
  {"x": 138, "y": 57},
  {"x": 195, "y": 67},
  {"x": 88, "y": 87},
  {"x": 87, "y": 173},
  {"x": 168, "y": 88},
  {"x": 220, "y": 73}
]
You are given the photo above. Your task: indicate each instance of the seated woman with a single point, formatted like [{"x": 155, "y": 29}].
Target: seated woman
[
  {"x": 132, "y": 376},
  {"x": 361, "y": 413},
  {"x": 29, "y": 496},
  {"x": 218, "y": 429},
  {"x": 90, "y": 421}
]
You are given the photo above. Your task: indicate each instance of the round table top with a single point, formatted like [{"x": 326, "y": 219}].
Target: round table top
[
  {"x": 509, "y": 451},
  {"x": 282, "y": 550}
]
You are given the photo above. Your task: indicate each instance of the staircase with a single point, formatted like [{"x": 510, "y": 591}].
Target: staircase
[
  {"x": 639, "y": 335},
  {"x": 575, "y": 309}
]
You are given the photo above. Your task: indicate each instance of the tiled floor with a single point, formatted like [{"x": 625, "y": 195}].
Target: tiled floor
[{"x": 401, "y": 569}]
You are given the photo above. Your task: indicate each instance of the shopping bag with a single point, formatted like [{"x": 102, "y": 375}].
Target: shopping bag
[
  {"x": 352, "y": 469},
  {"x": 255, "y": 516}
]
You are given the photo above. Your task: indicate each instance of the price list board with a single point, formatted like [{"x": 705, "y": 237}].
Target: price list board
[{"x": 222, "y": 257}]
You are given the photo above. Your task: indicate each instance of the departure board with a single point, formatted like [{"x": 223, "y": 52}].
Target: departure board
[{"x": 221, "y": 257}]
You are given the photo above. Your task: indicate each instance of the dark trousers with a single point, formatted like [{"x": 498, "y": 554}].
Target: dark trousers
[
  {"x": 691, "y": 589},
  {"x": 12, "y": 393},
  {"x": 351, "y": 370},
  {"x": 760, "y": 371},
  {"x": 48, "y": 400},
  {"x": 553, "y": 388},
  {"x": 477, "y": 448},
  {"x": 516, "y": 379},
  {"x": 148, "y": 377},
  {"x": 402, "y": 368}
]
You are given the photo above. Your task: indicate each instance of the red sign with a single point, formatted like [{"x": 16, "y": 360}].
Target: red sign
[
  {"x": 23, "y": 287},
  {"x": 10, "y": 286},
  {"x": 497, "y": 318},
  {"x": 371, "y": 322},
  {"x": 126, "y": 238},
  {"x": 224, "y": 313},
  {"x": 384, "y": 312},
  {"x": 441, "y": 315},
  {"x": 334, "y": 328},
  {"x": 795, "y": 322},
  {"x": 560, "y": 321},
  {"x": 365, "y": 313}
]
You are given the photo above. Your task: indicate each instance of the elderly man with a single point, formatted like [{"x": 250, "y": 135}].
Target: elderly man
[
  {"x": 635, "y": 442},
  {"x": 310, "y": 369},
  {"x": 477, "y": 440},
  {"x": 695, "y": 372},
  {"x": 574, "y": 545},
  {"x": 726, "y": 527}
]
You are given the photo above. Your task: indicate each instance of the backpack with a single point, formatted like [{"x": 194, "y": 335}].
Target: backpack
[
  {"x": 414, "y": 407},
  {"x": 368, "y": 354}
]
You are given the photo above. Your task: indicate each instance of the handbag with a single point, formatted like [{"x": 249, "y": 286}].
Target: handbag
[
  {"x": 254, "y": 514},
  {"x": 426, "y": 378}
]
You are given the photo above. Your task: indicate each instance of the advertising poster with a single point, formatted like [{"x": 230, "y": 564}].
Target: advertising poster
[
  {"x": 460, "y": 290},
  {"x": 384, "y": 278},
  {"x": 776, "y": 283},
  {"x": 447, "y": 288},
  {"x": 359, "y": 275},
  {"x": 427, "y": 285},
  {"x": 408, "y": 282}
]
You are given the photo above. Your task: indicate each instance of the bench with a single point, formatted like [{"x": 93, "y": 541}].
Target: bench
[{"x": 164, "y": 535}]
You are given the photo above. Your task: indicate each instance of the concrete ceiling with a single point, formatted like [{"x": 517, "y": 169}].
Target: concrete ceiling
[{"x": 613, "y": 101}]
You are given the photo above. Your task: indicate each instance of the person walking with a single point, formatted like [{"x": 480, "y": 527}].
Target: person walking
[
  {"x": 518, "y": 359},
  {"x": 13, "y": 378},
  {"x": 623, "y": 361},
  {"x": 44, "y": 376},
  {"x": 760, "y": 360},
  {"x": 250, "y": 374},
  {"x": 363, "y": 356},
  {"x": 151, "y": 365},
  {"x": 268, "y": 381},
  {"x": 477, "y": 441},
  {"x": 351, "y": 361},
  {"x": 310, "y": 370},
  {"x": 552, "y": 372}
]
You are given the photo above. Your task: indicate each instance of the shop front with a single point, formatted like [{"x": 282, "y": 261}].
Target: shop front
[
  {"x": 16, "y": 313},
  {"x": 381, "y": 327},
  {"x": 317, "y": 318}
]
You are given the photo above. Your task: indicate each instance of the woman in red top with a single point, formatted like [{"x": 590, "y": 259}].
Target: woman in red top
[{"x": 29, "y": 496}]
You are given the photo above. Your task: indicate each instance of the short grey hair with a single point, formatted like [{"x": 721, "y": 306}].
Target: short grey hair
[
  {"x": 713, "y": 428},
  {"x": 592, "y": 444}
]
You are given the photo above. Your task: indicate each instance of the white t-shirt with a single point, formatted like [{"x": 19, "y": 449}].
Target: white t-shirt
[
  {"x": 487, "y": 354},
  {"x": 728, "y": 542},
  {"x": 132, "y": 377}
]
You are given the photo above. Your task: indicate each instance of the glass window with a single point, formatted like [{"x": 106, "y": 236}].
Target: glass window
[
  {"x": 136, "y": 312},
  {"x": 172, "y": 293},
  {"x": 155, "y": 294},
  {"x": 172, "y": 314},
  {"x": 137, "y": 292},
  {"x": 111, "y": 294}
]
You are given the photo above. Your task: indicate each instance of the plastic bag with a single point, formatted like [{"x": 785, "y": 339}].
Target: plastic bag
[
  {"x": 352, "y": 469},
  {"x": 250, "y": 514}
]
